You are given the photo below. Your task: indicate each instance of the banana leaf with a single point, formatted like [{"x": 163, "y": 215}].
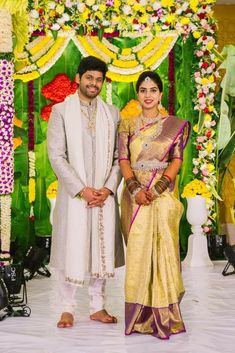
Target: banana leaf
[{"x": 41, "y": 209}]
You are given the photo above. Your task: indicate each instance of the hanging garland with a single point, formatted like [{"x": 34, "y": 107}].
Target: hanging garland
[{"x": 6, "y": 134}]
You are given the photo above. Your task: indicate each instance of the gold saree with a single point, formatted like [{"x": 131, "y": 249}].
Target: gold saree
[{"x": 153, "y": 284}]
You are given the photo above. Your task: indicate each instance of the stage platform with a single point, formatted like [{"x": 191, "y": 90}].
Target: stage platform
[{"x": 208, "y": 309}]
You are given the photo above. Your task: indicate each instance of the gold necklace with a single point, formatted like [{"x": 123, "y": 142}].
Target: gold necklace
[
  {"x": 91, "y": 118},
  {"x": 157, "y": 131}
]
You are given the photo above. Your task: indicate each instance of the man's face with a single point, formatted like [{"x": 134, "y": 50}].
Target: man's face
[{"x": 90, "y": 84}]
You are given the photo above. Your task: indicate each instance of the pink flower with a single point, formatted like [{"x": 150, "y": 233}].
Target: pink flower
[
  {"x": 205, "y": 172},
  {"x": 197, "y": 74},
  {"x": 195, "y": 171},
  {"x": 200, "y": 139},
  {"x": 199, "y": 53}
]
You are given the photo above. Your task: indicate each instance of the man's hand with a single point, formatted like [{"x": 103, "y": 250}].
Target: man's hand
[
  {"x": 99, "y": 198},
  {"x": 88, "y": 194}
]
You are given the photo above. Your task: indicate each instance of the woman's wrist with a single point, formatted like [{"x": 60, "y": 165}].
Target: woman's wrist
[
  {"x": 132, "y": 184},
  {"x": 162, "y": 184}
]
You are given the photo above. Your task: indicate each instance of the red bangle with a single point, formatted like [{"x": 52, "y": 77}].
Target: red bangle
[{"x": 168, "y": 177}]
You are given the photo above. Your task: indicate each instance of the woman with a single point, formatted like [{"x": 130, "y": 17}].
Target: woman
[{"x": 150, "y": 156}]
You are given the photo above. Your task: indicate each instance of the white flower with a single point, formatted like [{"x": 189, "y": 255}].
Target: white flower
[
  {"x": 143, "y": 2},
  {"x": 51, "y": 5},
  {"x": 34, "y": 14},
  {"x": 68, "y": 3},
  {"x": 66, "y": 17},
  {"x": 81, "y": 7},
  {"x": 195, "y": 161},
  {"x": 95, "y": 7},
  {"x": 126, "y": 9},
  {"x": 156, "y": 5},
  {"x": 106, "y": 23},
  {"x": 60, "y": 21},
  {"x": 55, "y": 27}
]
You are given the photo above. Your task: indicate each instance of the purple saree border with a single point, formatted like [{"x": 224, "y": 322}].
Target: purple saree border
[
  {"x": 155, "y": 171},
  {"x": 133, "y": 308}
]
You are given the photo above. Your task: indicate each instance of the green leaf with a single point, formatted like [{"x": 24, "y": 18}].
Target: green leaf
[{"x": 41, "y": 209}]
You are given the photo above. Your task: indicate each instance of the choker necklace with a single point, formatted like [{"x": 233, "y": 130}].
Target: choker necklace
[{"x": 157, "y": 131}]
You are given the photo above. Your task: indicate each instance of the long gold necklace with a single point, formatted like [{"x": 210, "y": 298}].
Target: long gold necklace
[{"x": 91, "y": 118}]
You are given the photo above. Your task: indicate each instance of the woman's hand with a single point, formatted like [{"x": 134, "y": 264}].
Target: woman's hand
[{"x": 143, "y": 197}]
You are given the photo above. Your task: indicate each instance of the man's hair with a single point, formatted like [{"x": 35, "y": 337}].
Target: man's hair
[
  {"x": 91, "y": 63},
  {"x": 152, "y": 76}
]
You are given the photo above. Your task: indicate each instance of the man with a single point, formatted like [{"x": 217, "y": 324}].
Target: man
[{"x": 82, "y": 137}]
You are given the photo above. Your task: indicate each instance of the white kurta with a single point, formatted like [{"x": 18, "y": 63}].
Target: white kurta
[{"x": 83, "y": 239}]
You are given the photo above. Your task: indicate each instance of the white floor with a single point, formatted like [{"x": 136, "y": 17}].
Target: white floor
[{"x": 208, "y": 310}]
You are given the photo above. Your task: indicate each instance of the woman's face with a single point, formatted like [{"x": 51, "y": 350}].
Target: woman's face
[{"x": 149, "y": 95}]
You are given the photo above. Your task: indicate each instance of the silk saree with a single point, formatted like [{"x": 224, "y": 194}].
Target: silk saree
[{"x": 153, "y": 283}]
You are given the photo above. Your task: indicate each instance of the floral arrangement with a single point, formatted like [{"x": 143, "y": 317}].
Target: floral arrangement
[
  {"x": 52, "y": 190},
  {"x": 56, "y": 91},
  {"x": 196, "y": 187},
  {"x": 86, "y": 16},
  {"x": 133, "y": 109},
  {"x": 6, "y": 133}
]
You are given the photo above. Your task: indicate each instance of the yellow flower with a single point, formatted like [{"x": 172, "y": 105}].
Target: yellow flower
[
  {"x": 102, "y": 7},
  {"x": 185, "y": 20},
  {"x": 117, "y": 3},
  {"x": 167, "y": 3},
  {"x": 195, "y": 128},
  {"x": 17, "y": 141},
  {"x": 196, "y": 34},
  {"x": 210, "y": 108},
  {"x": 210, "y": 167},
  {"x": 17, "y": 122},
  {"x": 209, "y": 147},
  {"x": 98, "y": 14},
  {"x": 144, "y": 18},
  {"x": 60, "y": 9},
  {"x": 211, "y": 78},
  {"x": 204, "y": 81},
  {"x": 52, "y": 190},
  {"x": 196, "y": 187},
  {"x": 208, "y": 117},
  {"x": 52, "y": 13},
  {"x": 31, "y": 190},
  {"x": 194, "y": 5},
  {"x": 170, "y": 18},
  {"x": 210, "y": 45}
]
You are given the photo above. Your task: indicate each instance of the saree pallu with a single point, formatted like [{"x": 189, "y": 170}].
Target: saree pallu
[{"x": 153, "y": 284}]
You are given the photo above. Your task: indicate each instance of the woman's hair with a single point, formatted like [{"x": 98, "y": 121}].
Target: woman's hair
[
  {"x": 91, "y": 63},
  {"x": 152, "y": 76}
]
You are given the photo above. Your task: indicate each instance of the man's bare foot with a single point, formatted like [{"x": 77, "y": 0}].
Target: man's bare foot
[
  {"x": 104, "y": 317},
  {"x": 66, "y": 320}
]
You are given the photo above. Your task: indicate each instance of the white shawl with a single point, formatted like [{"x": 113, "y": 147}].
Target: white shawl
[{"x": 77, "y": 248}]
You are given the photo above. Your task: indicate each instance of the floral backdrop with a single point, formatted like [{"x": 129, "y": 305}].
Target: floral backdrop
[{"x": 176, "y": 38}]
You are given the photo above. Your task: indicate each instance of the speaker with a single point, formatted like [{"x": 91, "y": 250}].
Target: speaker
[{"x": 229, "y": 253}]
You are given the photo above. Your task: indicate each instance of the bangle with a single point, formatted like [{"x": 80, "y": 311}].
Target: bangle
[
  {"x": 161, "y": 185},
  {"x": 155, "y": 192},
  {"x": 168, "y": 177},
  {"x": 136, "y": 190}
]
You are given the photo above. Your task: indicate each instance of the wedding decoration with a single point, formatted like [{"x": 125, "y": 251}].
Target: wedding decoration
[
  {"x": 196, "y": 193},
  {"x": 6, "y": 134},
  {"x": 148, "y": 32},
  {"x": 51, "y": 195}
]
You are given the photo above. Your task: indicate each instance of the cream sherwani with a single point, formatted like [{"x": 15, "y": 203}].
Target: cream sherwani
[{"x": 84, "y": 240}]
